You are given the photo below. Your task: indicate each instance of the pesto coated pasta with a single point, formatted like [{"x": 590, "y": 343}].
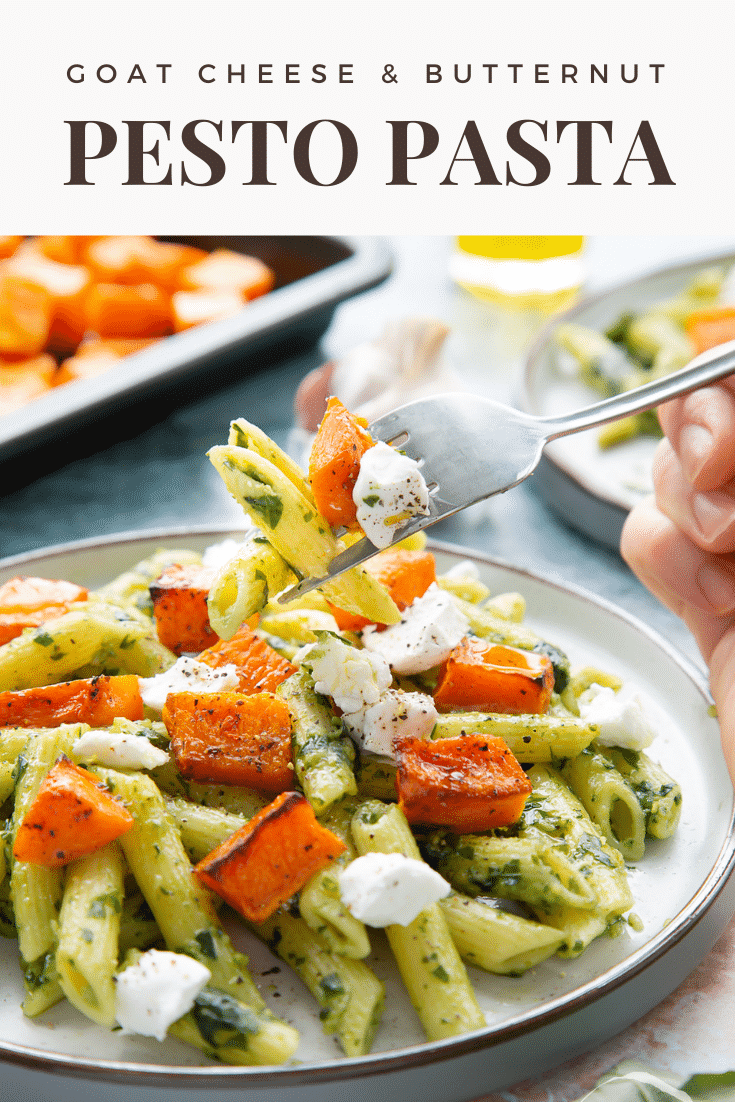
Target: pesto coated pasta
[{"x": 547, "y": 880}]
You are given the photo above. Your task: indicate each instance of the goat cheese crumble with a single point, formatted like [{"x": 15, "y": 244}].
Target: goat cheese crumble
[
  {"x": 118, "y": 750},
  {"x": 389, "y": 490},
  {"x": 219, "y": 554},
  {"x": 429, "y": 631},
  {"x": 396, "y": 713},
  {"x": 156, "y": 991},
  {"x": 353, "y": 678},
  {"x": 463, "y": 571},
  {"x": 384, "y": 889},
  {"x": 187, "y": 675},
  {"x": 622, "y": 718}
]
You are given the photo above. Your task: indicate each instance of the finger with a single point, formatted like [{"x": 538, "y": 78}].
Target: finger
[
  {"x": 311, "y": 397},
  {"x": 707, "y": 517},
  {"x": 701, "y": 428},
  {"x": 673, "y": 567},
  {"x": 722, "y": 684}
]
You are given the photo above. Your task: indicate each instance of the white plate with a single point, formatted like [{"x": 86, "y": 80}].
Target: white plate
[
  {"x": 556, "y": 1011},
  {"x": 593, "y": 489}
]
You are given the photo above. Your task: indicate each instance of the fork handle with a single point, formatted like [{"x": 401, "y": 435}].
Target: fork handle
[{"x": 708, "y": 367}]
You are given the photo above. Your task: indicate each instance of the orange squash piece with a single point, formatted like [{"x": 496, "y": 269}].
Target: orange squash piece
[
  {"x": 708, "y": 328},
  {"x": 226, "y": 270},
  {"x": 93, "y": 700},
  {"x": 121, "y": 310},
  {"x": 405, "y": 574},
  {"x": 486, "y": 677},
  {"x": 8, "y": 245},
  {"x": 94, "y": 357},
  {"x": 261, "y": 668},
  {"x": 71, "y": 816},
  {"x": 23, "y": 380},
  {"x": 231, "y": 738},
  {"x": 192, "y": 308},
  {"x": 179, "y": 598},
  {"x": 334, "y": 463},
  {"x": 270, "y": 858},
  {"x": 67, "y": 286},
  {"x": 64, "y": 248},
  {"x": 470, "y": 783},
  {"x": 25, "y": 315},
  {"x": 140, "y": 259},
  {"x": 28, "y": 602}
]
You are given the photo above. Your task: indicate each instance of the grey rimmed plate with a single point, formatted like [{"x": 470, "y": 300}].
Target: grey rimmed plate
[
  {"x": 558, "y": 1010},
  {"x": 594, "y": 489}
]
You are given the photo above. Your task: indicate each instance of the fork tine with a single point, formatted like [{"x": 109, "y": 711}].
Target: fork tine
[
  {"x": 355, "y": 555},
  {"x": 393, "y": 428}
]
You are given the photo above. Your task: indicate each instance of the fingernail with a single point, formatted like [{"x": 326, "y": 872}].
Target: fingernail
[
  {"x": 694, "y": 448},
  {"x": 718, "y": 588},
  {"x": 713, "y": 513}
]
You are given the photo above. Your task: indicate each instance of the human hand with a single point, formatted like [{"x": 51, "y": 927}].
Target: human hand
[{"x": 681, "y": 544}]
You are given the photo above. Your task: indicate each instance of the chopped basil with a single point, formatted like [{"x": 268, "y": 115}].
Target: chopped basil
[
  {"x": 269, "y": 507},
  {"x": 206, "y": 944}
]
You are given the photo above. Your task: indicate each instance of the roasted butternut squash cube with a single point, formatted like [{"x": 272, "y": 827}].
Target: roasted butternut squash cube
[
  {"x": 93, "y": 700},
  {"x": 121, "y": 310},
  {"x": 231, "y": 738},
  {"x": 708, "y": 328},
  {"x": 487, "y": 677},
  {"x": 179, "y": 598},
  {"x": 270, "y": 858},
  {"x": 469, "y": 783},
  {"x": 334, "y": 463},
  {"x": 95, "y": 357},
  {"x": 261, "y": 668},
  {"x": 65, "y": 249},
  {"x": 67, "y": 286},
  {"x": 8, "y": 245},
  {"x": 71, "y": 816},
  {"x": 226, "y": 270},
  {"x": 27, "y": 602},
  {"x": 405, "y": 574},
  {"x": 140, "y": 259},
  {"x": 23, "y": 380},
  {"x": 25, "y": 315},
  {"x": 191, "y": 308}
]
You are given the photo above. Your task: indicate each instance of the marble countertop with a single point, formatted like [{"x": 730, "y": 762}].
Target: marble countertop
[{"x": 160, "y": 478}]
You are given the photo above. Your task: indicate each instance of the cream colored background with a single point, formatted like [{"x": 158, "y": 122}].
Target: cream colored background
[{"x": 689, "y": 110}]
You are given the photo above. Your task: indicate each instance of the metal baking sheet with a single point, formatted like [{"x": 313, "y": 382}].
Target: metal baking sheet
[{"x": 313, "y": 276}]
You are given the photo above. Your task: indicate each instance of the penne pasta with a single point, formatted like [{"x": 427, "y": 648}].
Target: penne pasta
[
  {"x": 89, "y": 932},
  {"x": 532, "y": 738},
  {"x": 609, "y": 800},
  {"x": 426, "y": 956},
  {"x": 496, "y": 940},
  {"x": 559, "y": 858},
  {"x": 323, "y": 755}
]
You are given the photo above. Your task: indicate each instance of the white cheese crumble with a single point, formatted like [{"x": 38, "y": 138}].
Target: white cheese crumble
[
  {"x": 383, "y": 889},
  {"x": 389, "y": 490},
  {"x": 156, "y": 991},
  {"x": 396, "y": 713},
  {"x": 353, "y": 678},
  {"x": 463, "y": 571},
  {"x": 118, "y": 750},
  {"x": 219, "y": 554},
  {"x": 429, "y": 631},
  {"x": 622, "y": 718},
  {"x": 187, "y": 675}
]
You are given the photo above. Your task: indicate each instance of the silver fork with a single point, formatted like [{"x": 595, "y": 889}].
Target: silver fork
[{"x": 471, "y": 448}]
